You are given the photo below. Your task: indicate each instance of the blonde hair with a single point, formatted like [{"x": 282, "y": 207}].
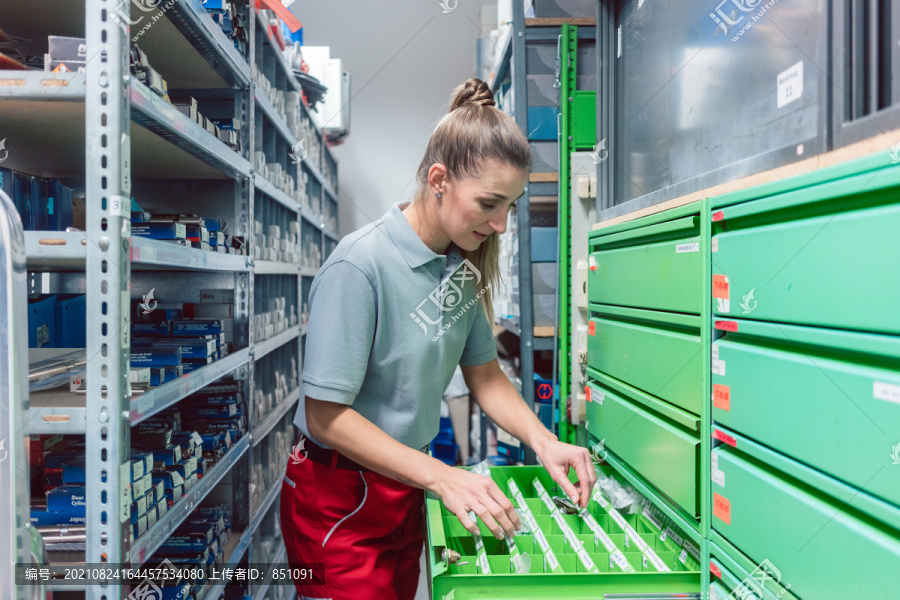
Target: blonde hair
[{"x": 473, "y": 132}]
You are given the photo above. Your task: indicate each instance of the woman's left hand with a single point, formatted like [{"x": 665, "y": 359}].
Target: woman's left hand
[{"x": 557, "y": 457}]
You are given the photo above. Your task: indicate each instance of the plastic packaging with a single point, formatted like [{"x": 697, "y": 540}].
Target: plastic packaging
[{"x": 55, "y": 372}]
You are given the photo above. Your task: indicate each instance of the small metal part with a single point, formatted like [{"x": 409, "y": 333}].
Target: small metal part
[
  {"x": 565, "y": 505},
  {"x": 465, "y": 562},
  {"x": 449, "y": 556}
]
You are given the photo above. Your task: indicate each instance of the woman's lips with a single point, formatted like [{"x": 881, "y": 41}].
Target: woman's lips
[{"x": 480, "y": 236}]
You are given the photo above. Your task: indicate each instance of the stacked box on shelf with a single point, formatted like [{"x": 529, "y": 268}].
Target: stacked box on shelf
[
  {"x": 805, "y": 380},
  {"x": 269, "y": 460},
  {"x": 202, "y": 233},
  {"x": 269, "y": 395},
  {"x": 42, "y": 204},
  {"x": 645, "y": 350}
]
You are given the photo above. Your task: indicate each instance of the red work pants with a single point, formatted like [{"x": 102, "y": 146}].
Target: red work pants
[{"x": 361, "y": 532}]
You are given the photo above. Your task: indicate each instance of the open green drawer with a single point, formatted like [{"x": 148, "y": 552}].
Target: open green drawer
[
  {"x": 658, "y": 353},
  {"x": 461, "y": 582},
  {"x": 825, "y": 255},
  {"x": 656, "y": 266},
  {"x": 823, "y": 548},
  {"x": 666, "y": 454},
  {"x": 842, "y": 386}
]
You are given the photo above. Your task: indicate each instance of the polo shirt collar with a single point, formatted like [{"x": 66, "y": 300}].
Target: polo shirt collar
[{"x": 408, "y": 242}]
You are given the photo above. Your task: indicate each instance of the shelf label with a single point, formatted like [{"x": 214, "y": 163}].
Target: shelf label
[
  {"x": 691, "y": 247},
  {"x": 125, "y": 491},
  {"x": 718, "y": 367},
  {"x": 692, "y": 549},
  {"x": 721, "y": 396},
  {"x": 119, "y": 206},
  {"x": 592, "y": 263},
  {"x": 718, "y": 216},
  {"x": 790, "y": 84},
  {"x": 720, "y": 286},
  {"x": 724, "y": 437},
  {"x": 886, "y": 391},
  {"x": 682, "y": 557},
  {"x": 722, "y": 508},
  {"x": 652, "y": 518},
  {"x": 715, "y": 352},
  {"x": 718, "y": 477},
  {"x": 715, "y": 570},
  {"x": 587, "y": 392},
  {"x": 715, "y": 244},
  {"x": 675, "y": 537},
  {"x": 592, "y": 328}
]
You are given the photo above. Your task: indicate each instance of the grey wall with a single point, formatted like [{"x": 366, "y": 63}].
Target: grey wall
[{"x": 404, "y": 59}]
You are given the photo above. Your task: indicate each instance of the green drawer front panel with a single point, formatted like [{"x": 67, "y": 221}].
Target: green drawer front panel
[
  {"x": 824, "y": 550},
  {"x": 656, "y": 267},
  {"x": 844, "y": 387},
  {"x": 664, "y": 362},
  {"x": 832, "y": 270},
  {"x": 661, "y": 452}
]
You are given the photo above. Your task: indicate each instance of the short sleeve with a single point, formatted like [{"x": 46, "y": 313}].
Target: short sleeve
[
  {"x": 480, "y": 345},
  {"x": 341, "y": 329}
]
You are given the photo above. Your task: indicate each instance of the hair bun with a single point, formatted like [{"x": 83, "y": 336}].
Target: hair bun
[{"x": 474, "y": 92}]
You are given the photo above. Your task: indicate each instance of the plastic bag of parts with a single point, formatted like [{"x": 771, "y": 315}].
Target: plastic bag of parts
[
  {"x": 55, "y": 372},
  {"x": 622, "y": 499},
  {"x": 520, "y": 561}
]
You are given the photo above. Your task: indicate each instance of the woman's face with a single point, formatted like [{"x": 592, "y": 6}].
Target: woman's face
[{"x": 475, "y": 208}]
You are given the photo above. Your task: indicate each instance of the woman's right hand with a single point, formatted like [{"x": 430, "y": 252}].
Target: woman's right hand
[{"x": 462, "y": 491}]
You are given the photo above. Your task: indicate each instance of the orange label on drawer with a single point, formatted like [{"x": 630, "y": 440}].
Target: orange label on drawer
[
  {"x": 592, "y": 328},
  {"x": 720, "y": 286},
  {"x": 715, "y": 570},
  {"x": 587, "y": 392},
  {"x": 727, "y": 325},
  {"x": 722, "y": 507},
  {"x": 724, "y": 437},
  {"x": 721, "y": 396},
  {"x": 718, "y": 216}
]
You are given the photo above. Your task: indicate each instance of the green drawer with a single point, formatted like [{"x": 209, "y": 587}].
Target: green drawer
[
  {"x": 664, "y": 359},
  {"x": 656, "y": 266},
  {"x": 463, "y": 582},
  {"x": 760, "y": 584},
  {"x": 664, "y": 453},
  {"x": 844, "y": 387},
  {"x": 805, "y": 258},
  {"x": 823, "y": 549}
]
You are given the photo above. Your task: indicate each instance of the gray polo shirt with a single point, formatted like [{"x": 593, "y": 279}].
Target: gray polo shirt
[{"x": 389, "y": 321}]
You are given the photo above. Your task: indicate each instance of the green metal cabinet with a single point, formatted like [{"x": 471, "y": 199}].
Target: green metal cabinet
[
  {"x": 664, "y": 452},
  {"x": 827, "y": 398},
  {"x": 824, "y": 255},
  {"x": 823, "y": 548},
  {"x": 661, "y": 357},
  {"x": 462, "y": 581},
  {"x": 763, "y": 582}
]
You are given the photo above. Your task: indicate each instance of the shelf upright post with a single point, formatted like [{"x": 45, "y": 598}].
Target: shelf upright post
[
  {"x": 526, "y": 309},
  {"x": 108, "y": 274},
  {"x": 15, "y": 530}
]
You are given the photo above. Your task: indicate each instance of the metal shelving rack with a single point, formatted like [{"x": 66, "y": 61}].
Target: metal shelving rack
[{"x": 117, "y": 132}]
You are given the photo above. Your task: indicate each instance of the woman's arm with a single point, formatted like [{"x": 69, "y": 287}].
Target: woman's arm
[
  {"x": 360, "y": 440},
  {"x": 496, "y": 395}
]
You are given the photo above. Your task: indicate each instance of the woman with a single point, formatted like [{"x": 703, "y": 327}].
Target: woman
[{"x": 395, "y": 308}]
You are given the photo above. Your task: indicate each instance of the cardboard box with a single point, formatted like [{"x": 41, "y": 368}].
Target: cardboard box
[
  {"x": 42, "y": 321},
  {"x": 71, "y": 321},
  {"x": 160, "y": 231}
]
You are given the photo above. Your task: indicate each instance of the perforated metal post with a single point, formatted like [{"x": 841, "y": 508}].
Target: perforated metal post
[{"x": 108, "y": 270}]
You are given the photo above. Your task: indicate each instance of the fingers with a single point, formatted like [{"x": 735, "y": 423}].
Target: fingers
[
  {"x": 586, "y": 477},
  {"x": 503, "y": 511},
  {"x": 470, "y": 525}
]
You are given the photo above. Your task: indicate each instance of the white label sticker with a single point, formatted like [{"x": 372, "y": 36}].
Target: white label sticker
[
  {"x": 664, "y": 535},
  {"x": 550, "y": 560},
  {"x": 682, "y": 557},
  {"x": 126, "y": 319},
  {"x": 886, "y": 391},
  {"x": 592, "y": 262},
  {"x": 714, "y": 460},
  {"x": 483, "y": 563},
  {"x": 119, "y": 206},
  {"x": 718, "y": 367},
  {"x": 692, "y": 247},
  {"x": 724, "y": 305},
  {"x": 790, "y": 84},
  {"x": 677, "y": 538},
  {"x": 125, "y": 169},
  {"x": 597, "y": 397},
  {"x": 644, "y": 561},
  {"x": 715, "y": 352},
  {"x": 712, "y": 593},
  {"x": 542, "y": 541},
  {"x": 718, "y": 477},
  {"x": 692, "y": 549},
  {"x": 652, "y": 518},
  {"x": 125, "y": 491},
  {"x": 715, "y": 244},
  {"x": 619, "y": 558},
  {"x": 586, "y": 560}
]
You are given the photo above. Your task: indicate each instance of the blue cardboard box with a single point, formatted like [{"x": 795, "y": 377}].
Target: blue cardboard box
[
  {"x": 67, "y": 499},
  {"x": 155, "y": 357},
  {"x": 59, "y": 206},
  {"x": 42, "y": 321},
  {"x": 71, "y": 321},
  {"x": 37, "y": 204},
  {"x": 21, "y": 190},
  {"x": 543, "y": 244},
  {"x": 159, "y": 231}
]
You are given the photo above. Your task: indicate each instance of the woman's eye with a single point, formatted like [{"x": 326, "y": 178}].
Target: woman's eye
[{"x": 488, "y": 206}]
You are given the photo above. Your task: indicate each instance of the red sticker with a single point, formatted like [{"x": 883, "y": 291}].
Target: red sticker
[
  {"x": 718, "y": 216},
  {"x": 715, "y": 570},
  {"x": 727, "y": 325},
  {"x": 724, "y": 437},
  {"x": 721, "y": 396},
  {"x": 587, "y": 392},
  {"x": 722, "y": 508},
  {"x": 720, "y": 287},
  {"x": 592, "y": 328}
]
